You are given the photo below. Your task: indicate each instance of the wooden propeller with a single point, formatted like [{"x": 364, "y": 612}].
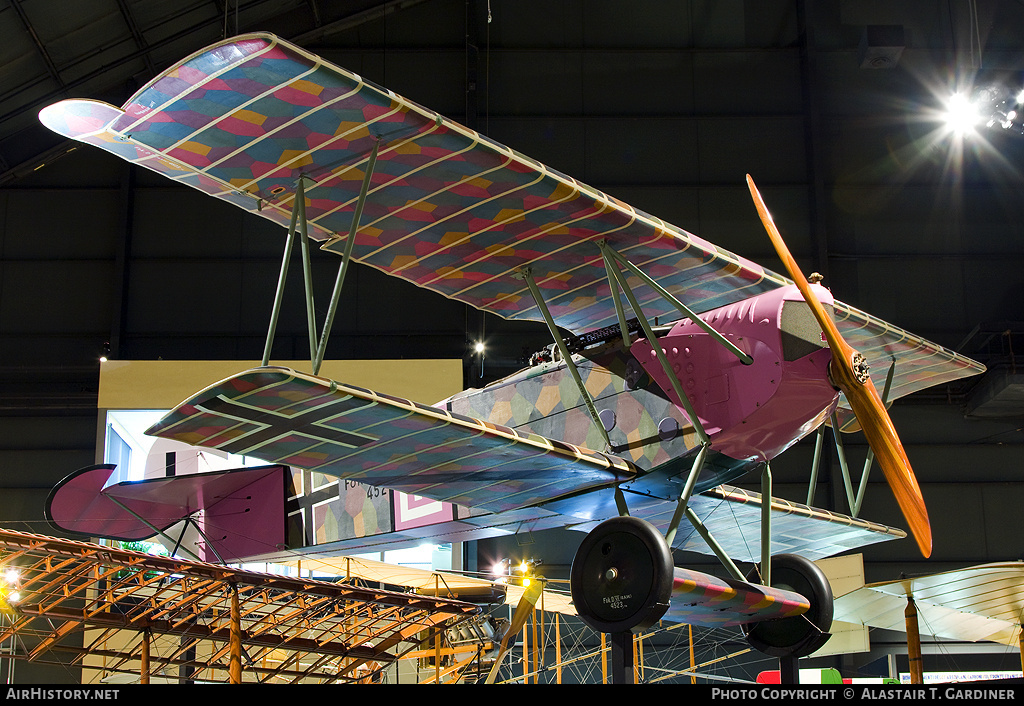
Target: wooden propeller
[{"x": 850, "y": 375}]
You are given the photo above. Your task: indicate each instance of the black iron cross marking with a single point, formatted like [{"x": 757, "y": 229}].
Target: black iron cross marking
[
  {"x": 277, "y": 425},
  {"x": 303, "y": 504}
]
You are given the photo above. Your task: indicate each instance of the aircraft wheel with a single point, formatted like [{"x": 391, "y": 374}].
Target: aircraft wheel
[
  {"x": 621, "y": 576},
  {"x": 800, "y": 635}
]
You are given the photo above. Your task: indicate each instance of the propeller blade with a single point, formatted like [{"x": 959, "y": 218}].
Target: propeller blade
[
  {"x": 853, "y": 424},
  {"x": 849, "y": 373},
  {"x": 885, "y": 443},
  {"x": 523, "y": 610}
]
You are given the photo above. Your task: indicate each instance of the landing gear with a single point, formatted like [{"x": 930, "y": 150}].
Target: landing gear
[
  {"x": 621, "y": 577},
  {"x": 621, "y": 582},
  {"x": 799, "y": 636}
]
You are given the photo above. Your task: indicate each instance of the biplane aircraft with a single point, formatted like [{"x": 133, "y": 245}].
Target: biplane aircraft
[{"x": 625, "y": 429}]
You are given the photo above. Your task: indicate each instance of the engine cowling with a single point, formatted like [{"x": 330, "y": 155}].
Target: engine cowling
[{"x": 756, "y": 411}]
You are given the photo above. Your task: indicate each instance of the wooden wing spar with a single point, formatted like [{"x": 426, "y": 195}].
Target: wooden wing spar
[{"x": 447, "y": 209}]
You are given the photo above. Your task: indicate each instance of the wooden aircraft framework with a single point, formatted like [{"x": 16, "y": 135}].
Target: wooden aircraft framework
[{"x": 77, "y": 599}]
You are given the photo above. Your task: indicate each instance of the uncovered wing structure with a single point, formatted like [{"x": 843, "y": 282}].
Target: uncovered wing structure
[
  {"x": 473, "y": 589},
  {"x": 984, "y": 602},
  {"x": 382, "y": 181}
]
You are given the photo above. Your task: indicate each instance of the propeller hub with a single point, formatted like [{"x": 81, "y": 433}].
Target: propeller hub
[
  {"x": 857, "y": 372},
  {"x": 861, "y": 368}
]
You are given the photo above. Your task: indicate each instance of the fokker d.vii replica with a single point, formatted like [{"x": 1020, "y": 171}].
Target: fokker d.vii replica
[{"x": 752, "y": 362}]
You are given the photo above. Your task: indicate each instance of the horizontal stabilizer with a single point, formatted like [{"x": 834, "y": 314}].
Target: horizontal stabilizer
[{"x": 223, "y": 504}]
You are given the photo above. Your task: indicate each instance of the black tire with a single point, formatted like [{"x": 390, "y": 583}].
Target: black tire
[
  {"x": 800, "y": 635},
  {"x": 621, "y": 576}
]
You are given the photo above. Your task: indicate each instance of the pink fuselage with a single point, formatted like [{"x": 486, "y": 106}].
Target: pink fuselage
[{"x": 756, "y": 411}]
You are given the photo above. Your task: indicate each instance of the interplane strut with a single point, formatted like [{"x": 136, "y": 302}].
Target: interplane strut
[{"x": 299, "y": 224}]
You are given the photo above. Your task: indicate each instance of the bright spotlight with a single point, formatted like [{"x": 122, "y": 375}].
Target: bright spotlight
[
  {"x": 961, "y": 115},
  {"x": 987, "y": 106},
  {"x": 478, "y": 347}
]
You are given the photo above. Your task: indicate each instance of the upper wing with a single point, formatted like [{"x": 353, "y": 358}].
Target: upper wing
[
  {"x": 447, "y": 208},
  {"x": 919, "y": 363}
]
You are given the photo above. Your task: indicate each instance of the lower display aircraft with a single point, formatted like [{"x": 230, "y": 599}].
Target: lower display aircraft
[{"x": 676, "y": 367}]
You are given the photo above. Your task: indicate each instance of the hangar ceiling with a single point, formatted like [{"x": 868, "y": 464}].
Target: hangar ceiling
[{"x": 831, "y": 105}]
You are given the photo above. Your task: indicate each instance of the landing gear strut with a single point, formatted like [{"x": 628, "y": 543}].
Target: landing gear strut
[{"x": 621, "y": 582}]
